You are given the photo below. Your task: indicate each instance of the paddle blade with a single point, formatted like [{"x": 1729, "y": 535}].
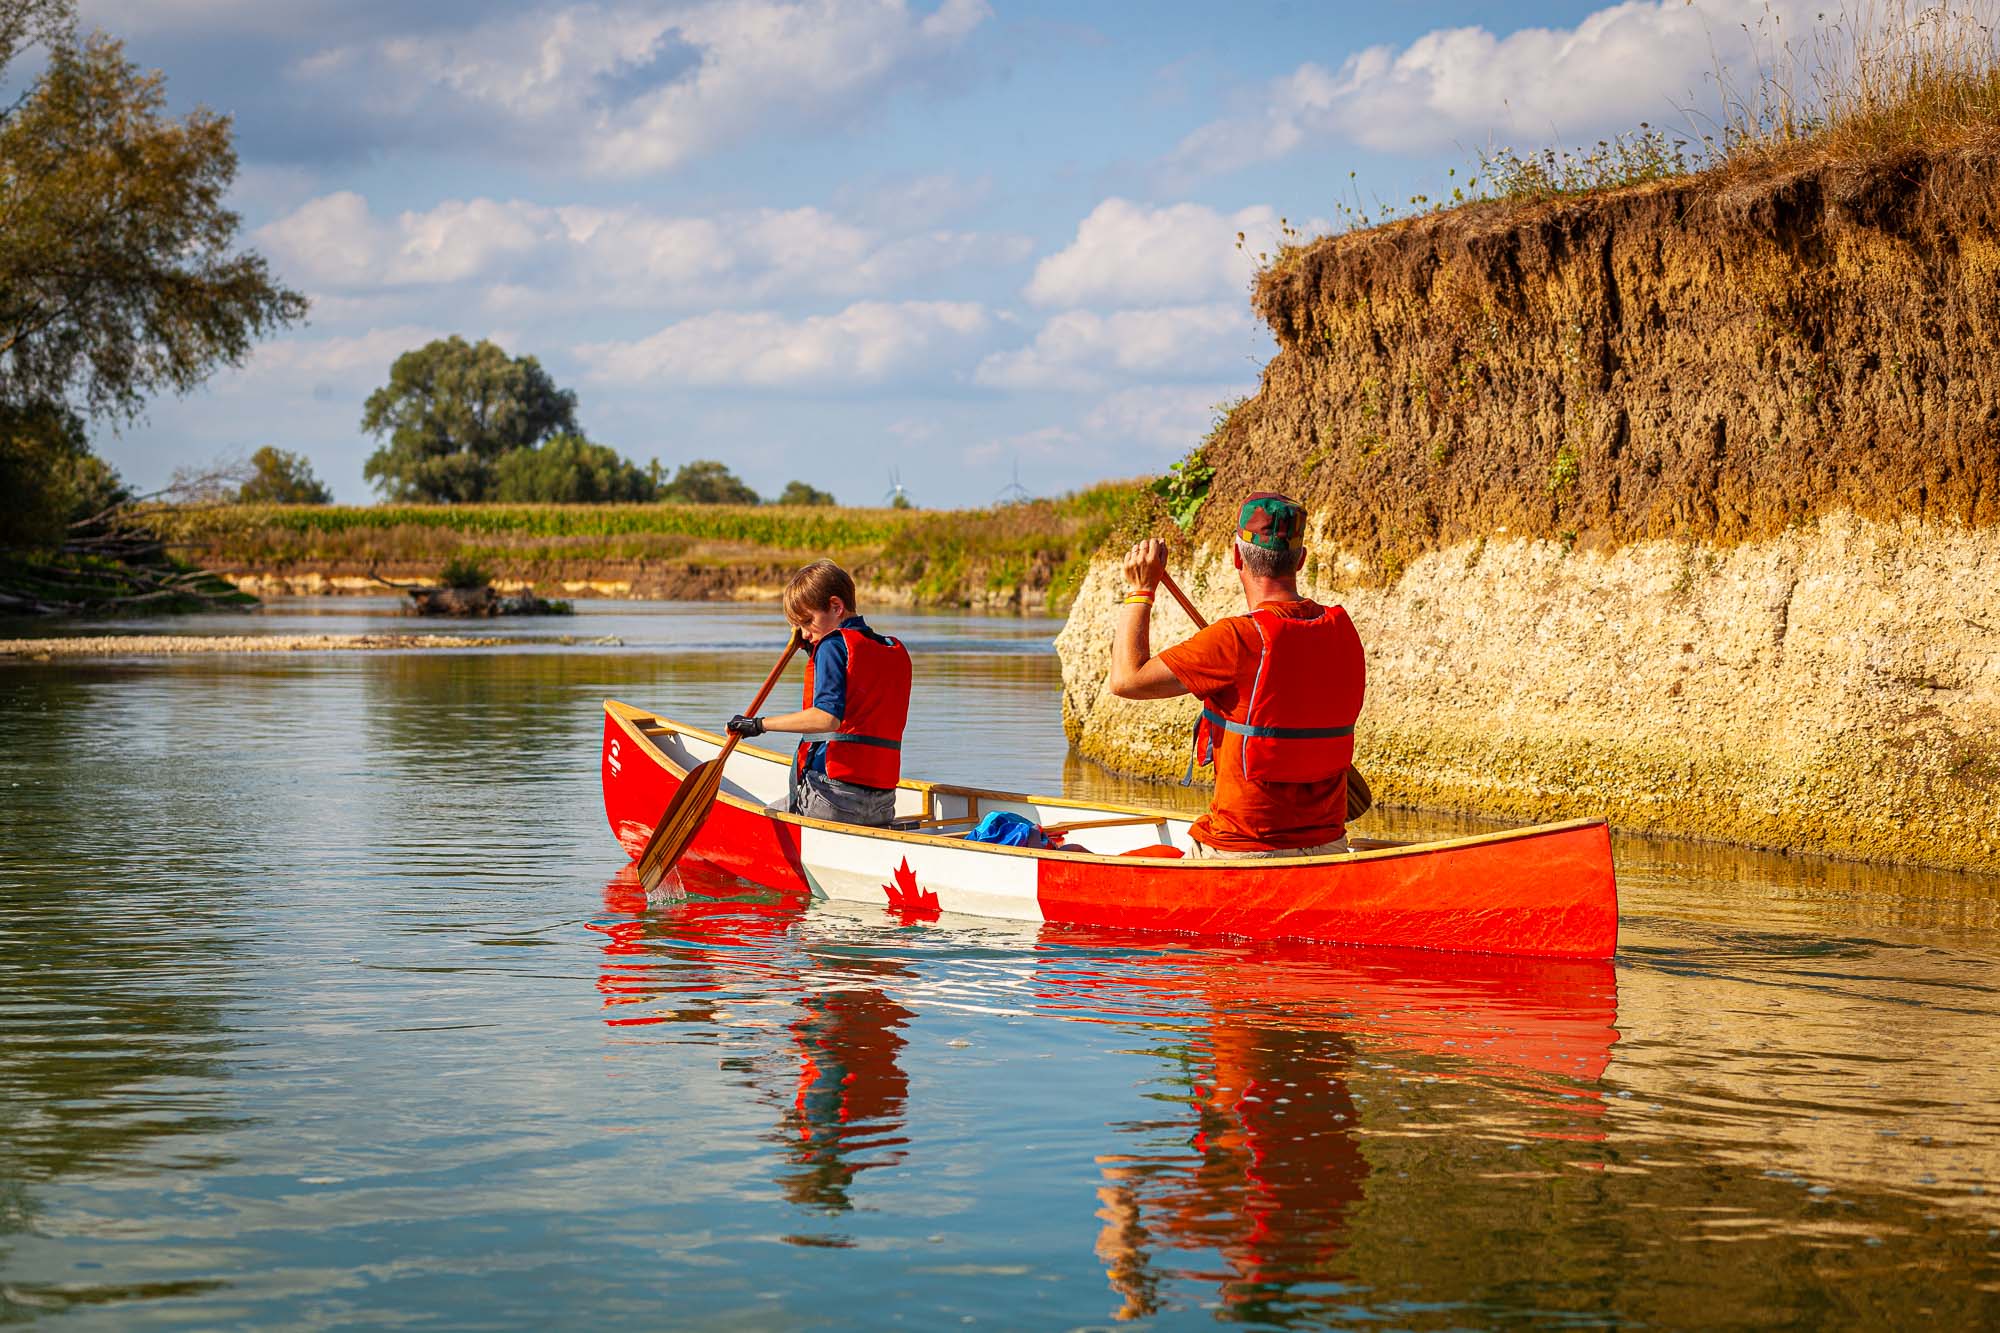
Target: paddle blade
[
  {"x": 678, "y": 824},
  {"x": 1359, "y": 799}
]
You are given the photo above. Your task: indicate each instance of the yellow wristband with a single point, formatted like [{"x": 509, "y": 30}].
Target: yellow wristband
[{"x": 1139, "y": 599}]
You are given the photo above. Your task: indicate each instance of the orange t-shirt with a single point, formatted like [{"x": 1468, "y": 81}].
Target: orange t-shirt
[{"x": 1219, "y": 665}]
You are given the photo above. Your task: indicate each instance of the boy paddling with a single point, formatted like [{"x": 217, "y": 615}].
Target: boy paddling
[
  {"x": 857, "y": 689},
  {"x": 1280, "y": 690}
]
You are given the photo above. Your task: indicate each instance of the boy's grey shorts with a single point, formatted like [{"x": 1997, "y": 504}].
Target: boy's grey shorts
[{"x": 817, "y": 796}]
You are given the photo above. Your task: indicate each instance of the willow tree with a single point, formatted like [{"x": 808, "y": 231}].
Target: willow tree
[
  {"x": 119, "y": 279},
  {"x": 118, "y": 273}
]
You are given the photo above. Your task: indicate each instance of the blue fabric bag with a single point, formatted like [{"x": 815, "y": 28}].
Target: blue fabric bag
[{"x": 1009, "y": 830}]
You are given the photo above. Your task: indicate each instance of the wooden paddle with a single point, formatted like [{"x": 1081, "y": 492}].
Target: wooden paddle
[
  {"x": 688, "y": 810},
  {"x": 1359, "y": 798}
]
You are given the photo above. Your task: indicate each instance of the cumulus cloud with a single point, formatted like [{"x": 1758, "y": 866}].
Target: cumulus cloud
[
  {"x": 527, "y": 255},
  {"x": 870, "y": 342},
  {"x": 1127, "y": 254},
  {"x": 326, "y": 367},
  {"x": 1083, "y": 349},
  {"x": 633, "y": 89},
  {"x": 1620, "y": 65},
  {"x": 1164, "y": 421},
  {"x": 1049, "y": 444}
]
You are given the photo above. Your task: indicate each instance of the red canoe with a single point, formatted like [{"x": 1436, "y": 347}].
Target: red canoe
[{"x": 1547, "y": 890}]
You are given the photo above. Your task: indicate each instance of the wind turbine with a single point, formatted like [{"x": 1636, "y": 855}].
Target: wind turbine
[
  {"x": 894, "y": 496},
  {"x": 1013, "y": 492}
]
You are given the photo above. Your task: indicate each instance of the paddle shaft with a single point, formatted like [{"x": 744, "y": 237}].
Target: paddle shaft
[
  {"x": 1359, "y": 797},
  {"x": 695, "y": 797}
]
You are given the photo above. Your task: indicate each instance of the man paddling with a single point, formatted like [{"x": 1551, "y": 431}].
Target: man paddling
[
  {"x": 1280, "y": 690},
  {"x": 857, "y": 700}
]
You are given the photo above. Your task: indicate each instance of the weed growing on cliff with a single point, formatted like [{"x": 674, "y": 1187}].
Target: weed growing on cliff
[
  {"x": 1186, "y": 484},
  {"x": 1563, "y": 473},
  {"x": 1645, "y": 154}
]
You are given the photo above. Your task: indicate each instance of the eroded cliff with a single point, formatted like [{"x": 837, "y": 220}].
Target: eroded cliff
[{"x": 1679, "y": 505}]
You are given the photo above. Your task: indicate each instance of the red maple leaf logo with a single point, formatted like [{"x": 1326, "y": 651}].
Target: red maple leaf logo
[{"x": 908, "y": 901}]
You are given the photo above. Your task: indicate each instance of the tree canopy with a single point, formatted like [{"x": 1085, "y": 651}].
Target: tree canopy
[
  {"x": 450, "y": 410},
  {"x": 48, "y": 475},
  {"x": 117, "y": 274},
  {"x": 280, "y": 477},
  {"x": 707, "y": 482},
  {"x": 571, "y": 470},
  {"x": 798, "y": 493}
]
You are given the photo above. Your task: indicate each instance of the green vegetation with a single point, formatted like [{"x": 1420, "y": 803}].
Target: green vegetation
[
  {"x": 798, "y": 493},
  {"x": 279, "y": 477},
  {"x": 118, "y": 280},
  {"x": 449, "y": 412},
  {"x": 458, "y": 572},
  {"x": 1563, "y": 473},
  {"x": 569, "y": 469},
  {"x": 946, "y": 556},
  {"x": 707, "y": 482},
  {"x": 1186, "y": 483},
  {"x": 102, "y": 307}
]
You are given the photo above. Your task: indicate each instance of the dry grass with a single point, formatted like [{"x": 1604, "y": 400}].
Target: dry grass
[
  {"x": 1870, "y": 79},
  {"x": 1878, "y": 77}
]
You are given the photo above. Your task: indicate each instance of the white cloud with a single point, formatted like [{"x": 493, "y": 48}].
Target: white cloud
[
  {"x": 869, "y": 342},
  {"x": 631, "y": 89},
  {"x": 1620, "y": 65},
  {"x": 1049, "y": 444},
  {"x": 1082, "y": 349},
  {"x": 1127, "y": 254},
  {"x": 349, "y": 361},
  {"x": 1163, "y": 420},
  {"x": 529, "y": 256}
]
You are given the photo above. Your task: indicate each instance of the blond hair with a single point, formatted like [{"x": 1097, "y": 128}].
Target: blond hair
[{"x": 814, "y": 587}]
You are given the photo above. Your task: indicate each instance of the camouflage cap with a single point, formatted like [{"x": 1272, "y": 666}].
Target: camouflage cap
[{"x": 1272, "y": 521}]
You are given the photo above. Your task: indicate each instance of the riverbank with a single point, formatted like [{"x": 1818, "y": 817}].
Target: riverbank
[
  {"x": 1678, "y": 504},
  {"x": 1019, "y": 557}
]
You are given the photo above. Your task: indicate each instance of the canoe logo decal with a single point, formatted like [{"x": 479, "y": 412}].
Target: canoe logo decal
[{"x": 907, "y": 900}]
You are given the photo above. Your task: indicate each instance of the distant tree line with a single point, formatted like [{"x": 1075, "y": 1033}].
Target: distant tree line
[{"x": 461, "y": 422}]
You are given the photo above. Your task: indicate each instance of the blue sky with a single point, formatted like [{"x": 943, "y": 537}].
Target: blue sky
[{"x": 824, "y": 239}]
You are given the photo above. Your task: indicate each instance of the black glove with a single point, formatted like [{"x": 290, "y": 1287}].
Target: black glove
[{"x": 746, "y": 726}]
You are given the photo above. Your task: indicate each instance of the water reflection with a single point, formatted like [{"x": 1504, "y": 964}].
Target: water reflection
[
  {"x": 1245, "y": 1175},
  {"x": 315, "y": 1009}
]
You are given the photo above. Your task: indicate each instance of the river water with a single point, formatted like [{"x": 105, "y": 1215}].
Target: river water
[{"x": 326, "y": 1001}]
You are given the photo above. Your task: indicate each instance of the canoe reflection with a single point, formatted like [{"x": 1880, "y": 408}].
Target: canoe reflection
[
  {"x": 848, "y": 1092},
  {"x": 1254, "y": 1186},
  {"x": 1249, "y": 1177}
]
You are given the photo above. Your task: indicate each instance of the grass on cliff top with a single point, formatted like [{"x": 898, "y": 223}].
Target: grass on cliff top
[{"x": 1874, "y": 78}]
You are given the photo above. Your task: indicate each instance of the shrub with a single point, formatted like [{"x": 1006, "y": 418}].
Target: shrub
[{"x": 462, "y": 572}]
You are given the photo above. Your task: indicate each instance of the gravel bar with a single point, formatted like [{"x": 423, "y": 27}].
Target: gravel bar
[{"x": 172, "y": 645}]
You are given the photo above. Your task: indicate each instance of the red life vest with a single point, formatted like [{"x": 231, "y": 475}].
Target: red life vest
[
  {"x": 1297, "y": 725},
  {"x": 867, "y": 749}
]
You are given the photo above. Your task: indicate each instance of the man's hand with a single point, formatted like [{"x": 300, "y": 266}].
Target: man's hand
[
  {"x": 1146, "y": 564},
  {"x": 746, "y": 727}
]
